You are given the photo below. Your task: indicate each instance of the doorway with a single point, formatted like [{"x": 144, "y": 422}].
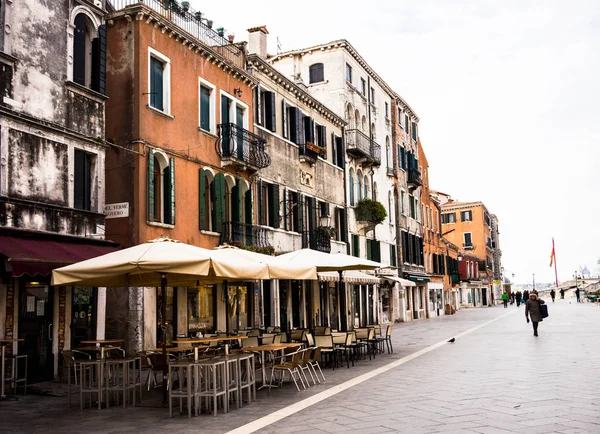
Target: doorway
[
  {"x": 36, "y": 311},
  {"x": 83, "y": 315}
]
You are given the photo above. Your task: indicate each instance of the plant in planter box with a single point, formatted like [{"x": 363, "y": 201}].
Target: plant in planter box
[
  {"x": 371, "y": 211},
  {"x": 326, "y": 231}
]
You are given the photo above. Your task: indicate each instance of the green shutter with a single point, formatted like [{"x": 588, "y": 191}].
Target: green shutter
[
  {"x": 219, "y": 202},
  {"x": 236, "y": 201},
  {"x": 300, "y": 214},
  {"x": 312, "y": 209},
  {"x": 202, "y": 200},
  {"x": 370, "y": 249},
  {"x": 274, "y": 219},
  {"x": 284, "y": 120},
  {"x": 171, "y": 192},
  {"x": 351, "y": 185},
  {"x": 150, "y": 185},
  {"x": 355, "y": 246},
  {"x": 167, "y": 195},
  {"x": 248, "y": 200},
  {"x": 260, "y": 202}
]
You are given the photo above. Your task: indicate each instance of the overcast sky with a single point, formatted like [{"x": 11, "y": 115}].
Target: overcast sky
[{"x": 508, "y": 95}]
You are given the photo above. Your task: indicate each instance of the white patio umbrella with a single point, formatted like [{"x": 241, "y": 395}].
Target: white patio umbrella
[
  {"x": 325, "y": 261},
  {"x": 156, "y": 263},
  {"x": 277, "y": 269}
]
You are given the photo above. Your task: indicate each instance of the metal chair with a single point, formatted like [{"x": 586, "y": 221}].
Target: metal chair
[{"x": 292, "y": 367}]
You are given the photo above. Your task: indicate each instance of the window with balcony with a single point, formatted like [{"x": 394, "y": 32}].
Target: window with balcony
[
  {"x": 208, "y": 107},
  {"x": 363, "y": 86},
  {"x": 449, "y": 218},
  {"x": 467, "y": 240},
  {"x": 89, "y": 53},
  {"x": 82, "y": 180},
  {"x": 268, "y": 205},
  {"x": 466, "y": 216},
  {"x": 316, "y": 73},
  {"x": 161, "y": 188},
  {"x": 348, "y": 73}
]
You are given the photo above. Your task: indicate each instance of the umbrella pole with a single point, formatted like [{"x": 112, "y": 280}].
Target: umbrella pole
[
  {"x": 226, "y": 291},
  {"x": 163, "y": 286},
  {"x": 343, "y": 307}
]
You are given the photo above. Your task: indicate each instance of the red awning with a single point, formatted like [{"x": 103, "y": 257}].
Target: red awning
[{"x": 32, "y": 256}]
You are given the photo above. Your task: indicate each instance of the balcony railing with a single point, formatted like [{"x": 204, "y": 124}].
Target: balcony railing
[
  {"x": 360, "y": 145},
  {"x": 244, "y": 234},
  {"x": 414, "y": 177},
  {"x": 242, "y": 146},
  {"x": 312, "y": 151},
  {"x": 316, "y": 240},
  {"x": 193, "y": 23}
]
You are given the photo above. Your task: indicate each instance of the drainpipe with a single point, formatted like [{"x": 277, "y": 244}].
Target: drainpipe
[
  {"x": 346, "y": 204},
  {"x": 370, "y": 129}
]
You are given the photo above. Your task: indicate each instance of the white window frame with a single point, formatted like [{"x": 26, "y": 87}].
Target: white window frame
[
  {"x": 232, "y": 110},
  {"x": 470, "y": 219},
  {"x": 348, "y": 69},
  {"x": 213, "y": 105},
  {"x": 166, "y": 80},
  {"x": 402, "y": 204},
  {"x": 164, "y": 162}
]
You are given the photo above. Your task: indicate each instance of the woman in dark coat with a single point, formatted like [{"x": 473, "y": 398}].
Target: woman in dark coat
[{"x": 533, "y": 311}]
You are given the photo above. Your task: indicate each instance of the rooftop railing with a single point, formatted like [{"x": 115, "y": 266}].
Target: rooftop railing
[{"x": 192, "y": 22}]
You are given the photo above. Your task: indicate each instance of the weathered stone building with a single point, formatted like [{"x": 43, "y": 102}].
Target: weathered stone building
[
  {"x": 52, "y": 185},
  {"x": 301, "y": 198}
]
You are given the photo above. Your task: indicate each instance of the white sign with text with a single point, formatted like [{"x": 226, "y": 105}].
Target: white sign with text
[{"x": 116, "y": 210}]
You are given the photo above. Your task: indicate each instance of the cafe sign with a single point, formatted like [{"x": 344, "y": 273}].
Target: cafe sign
[{"x": 116, "y": 210}]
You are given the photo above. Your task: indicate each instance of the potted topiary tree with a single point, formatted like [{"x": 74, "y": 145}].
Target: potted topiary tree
[{"x": 371, "y": 211}]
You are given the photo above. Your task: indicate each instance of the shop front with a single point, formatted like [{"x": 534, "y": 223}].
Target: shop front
[
  {"x": 436, "y": 298},
  {"x": 48, "y": 319}
]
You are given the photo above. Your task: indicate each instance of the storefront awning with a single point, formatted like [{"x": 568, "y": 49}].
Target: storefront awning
[
  {"x": 401, "y": 281},
  {"x": 418, "y": 278},
  {"x": 32, "y": 256},
  {"x": 350, "y": 276}
]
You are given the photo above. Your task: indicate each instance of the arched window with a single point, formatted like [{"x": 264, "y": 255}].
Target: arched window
[
  {"x": 366, "y": 187},
  {"x": 364, "y": 124},
  {"x": 316, "y": 73},
  {"x": 351, "y": 186},
  {"x": 161, "y": 188},
  {"x": 89, "y": 53},
  {"x": 373, "y": 129},
  {"x": 350, "y": 117}
]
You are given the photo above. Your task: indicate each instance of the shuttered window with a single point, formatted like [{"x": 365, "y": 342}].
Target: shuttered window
[
  {"x": 351, "y": 186},
  {"x": 355, "y": 246},
  {"x": 270, "y": 112},
  {"x": 79, "y": 49},
  {"x": 99, "y": 61},
  {"x": 316, "y": 73},
  {"x": 393, "y": 256},
  {"x": 218, "y": 196},
  {"x": 83, "y": 180},
  {"x": 202, "y": 200},
  {"x": 205, "y": 108},
  {"x": 156, "y": 84}
]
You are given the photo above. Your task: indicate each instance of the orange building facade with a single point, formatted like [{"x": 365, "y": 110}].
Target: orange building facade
[
  {"x": 468, "y": 225},
  {"x": 179, "y": 119}
]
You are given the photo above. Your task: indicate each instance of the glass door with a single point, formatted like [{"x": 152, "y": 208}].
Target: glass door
[{"x": 83, "y": 315}]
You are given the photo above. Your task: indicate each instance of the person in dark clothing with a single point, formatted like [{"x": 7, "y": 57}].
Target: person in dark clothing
[
  {"x": 562, "y": 294},
  {"x": 553, "y": 295},
  {"x": 533, "y": 311},
  {"x": 512, "y": 298},
  {"x": 518, "y": 297},
  {"x": 525, "y": 296},
  {"x": 577, "y": 294}
]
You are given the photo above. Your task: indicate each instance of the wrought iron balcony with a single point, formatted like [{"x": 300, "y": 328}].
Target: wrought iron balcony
[
  {"x": 240, "y": 147},
  {"x": 414, "y": 178},
  {"x": 360, "y": 145},
  {"x": 316, "y": 240},
  {"x": 193, "y": 23},
  {"x": 245, "y": 235}
]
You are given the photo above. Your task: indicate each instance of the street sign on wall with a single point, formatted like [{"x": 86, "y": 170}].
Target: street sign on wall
[{"x": 116, "y": 210}]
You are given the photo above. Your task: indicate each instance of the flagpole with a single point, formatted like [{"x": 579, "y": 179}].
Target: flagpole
[{"x": 555, "y": 271}]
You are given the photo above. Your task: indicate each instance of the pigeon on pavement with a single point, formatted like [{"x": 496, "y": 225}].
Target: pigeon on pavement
[{"x": 452, "y": 340}]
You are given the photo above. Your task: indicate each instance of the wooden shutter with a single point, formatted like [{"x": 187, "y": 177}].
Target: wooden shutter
[
  {"x": 355, "y": 246},
  {"x": 248, "y": 202},
  {"x": 150, "y": 180},
  {"x": 343, "y": 229},
  {"x": 370, "y": 249},
  {"x": 299, "y": 127},
  {"x": 79, "y": 50},
  {"x": 284, "y": 119},
  {"x": 286, "y": 204},
  {"x": 171, "y": 192},
  {"x": 219, "y": 202},
  {"x": 312, "y": 209},
  {"x": 351, "y": 182},
  {"x": 167, "y": 195},
  {"x": 99, "y": 61},
  {"x": 156, "y": 83},
  {"x": 274, "y": 205},
  {"x": 341, "y": 155},
  {"x": 300, "y": 214},
  {"x": 202, "y": 200},
  {"x": 270, "y": 112},
  {"x": 334, "y": 154},
  {"x": 236, "y": 201},
  {"x": 259, "y": 200},
  {"x": 257, "y": 95}
]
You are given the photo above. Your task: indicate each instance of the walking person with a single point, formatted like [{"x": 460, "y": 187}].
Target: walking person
[
  {"x": 518, "y": 297},
  {"x": 512, "y": 297},
  {"x": 533, "y": 311},
  {"x": 562, "y": 294},
  {"x": 577, "y": 294},
  {"x": 525, "y": 296},
  {"x": 553, "y": 295},
  {"x": 505, "y": 299}
]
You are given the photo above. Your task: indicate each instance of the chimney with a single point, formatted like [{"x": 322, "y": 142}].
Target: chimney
[{"x": 257, "y": 41}]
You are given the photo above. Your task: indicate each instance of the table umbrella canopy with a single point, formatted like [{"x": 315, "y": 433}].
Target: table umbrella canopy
[
  {"x": 277, "y": 270},
  {"x": 325, "y": 261},
  {"x": 145, "y": 265}
]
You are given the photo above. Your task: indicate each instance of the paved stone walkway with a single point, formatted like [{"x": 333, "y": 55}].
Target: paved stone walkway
[{"x": 496, "y": 379}]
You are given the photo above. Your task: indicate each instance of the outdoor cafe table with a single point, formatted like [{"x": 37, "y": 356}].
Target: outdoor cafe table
[
  {"x": 3, "y": 343},
  {"x": 198, "y": 341},
  {"x": 271, "y": 348},
  {"x": 104, "y": 344}
]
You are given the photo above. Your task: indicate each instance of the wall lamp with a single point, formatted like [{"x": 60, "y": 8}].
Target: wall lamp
[{"x": 237, "y": 92}]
